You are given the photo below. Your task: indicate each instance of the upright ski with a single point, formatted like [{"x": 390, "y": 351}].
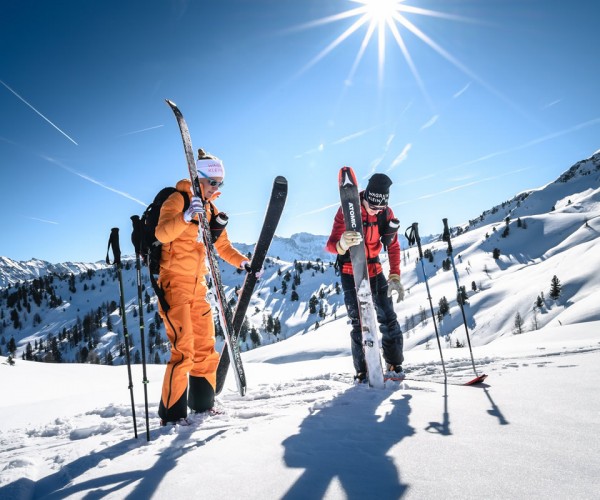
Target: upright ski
[
  {"x": 205, "y": 237},
  {"x": 272, "y": 216},
  {"x": 350, "y": 200}
]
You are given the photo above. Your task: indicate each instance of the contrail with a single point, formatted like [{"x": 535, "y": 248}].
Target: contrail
[
  {"x": 533, "y": 142},
  {"x": 93, "y": 181},
  {"x": 41, "y": 220},
  {"x": 317, "y": 210},
  {"x": 143, "y": 130},
  {"x": 17, "y": 95}
]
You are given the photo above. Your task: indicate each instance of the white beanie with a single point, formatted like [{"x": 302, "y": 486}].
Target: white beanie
[{"x": 210, "y": 167}]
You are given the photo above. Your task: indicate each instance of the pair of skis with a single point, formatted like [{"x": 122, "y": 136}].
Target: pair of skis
[
  {"x": 232, "y": 321},
  {"x": 351, "y": 208}
]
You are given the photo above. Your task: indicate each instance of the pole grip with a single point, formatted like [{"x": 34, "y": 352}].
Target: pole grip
[
  {"x": 136, "y": 233},
  {"x": 446, "y": 235},
  {"x": 113, "y": 241},
  {"x": 415, "y": 229}
]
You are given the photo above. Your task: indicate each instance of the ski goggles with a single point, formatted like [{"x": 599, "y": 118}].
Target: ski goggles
[
  {"x": 213, "y": 183},
  {"x": 376, "y": 208}
]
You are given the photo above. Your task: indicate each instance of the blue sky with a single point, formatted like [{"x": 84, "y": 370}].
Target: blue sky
[{"x": 468, "y": 103}]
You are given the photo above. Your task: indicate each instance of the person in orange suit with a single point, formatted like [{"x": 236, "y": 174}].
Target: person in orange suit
[{"x": 190, "y": 376}]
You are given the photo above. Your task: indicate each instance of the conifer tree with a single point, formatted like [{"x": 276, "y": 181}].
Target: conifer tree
[
  {"x": 555, "y": 288},
  {"x": 518, "y": 324}
]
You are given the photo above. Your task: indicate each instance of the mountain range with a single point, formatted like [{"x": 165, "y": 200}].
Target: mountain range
[{"x": 507, "y": 259}]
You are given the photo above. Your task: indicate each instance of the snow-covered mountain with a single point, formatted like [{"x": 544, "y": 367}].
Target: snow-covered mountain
[
  {"x": 505, "y": 259},
  {"x": 12, "y": 271},
  {"x": 299, "y": 246}
]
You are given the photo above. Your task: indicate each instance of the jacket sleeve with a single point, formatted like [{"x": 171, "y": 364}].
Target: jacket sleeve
[
  {"x": 339, "y": 226},
  {"x": 394, "y": 250},
  {"x": 170, "y": 222},
  {"x": 227, "y": 251}
]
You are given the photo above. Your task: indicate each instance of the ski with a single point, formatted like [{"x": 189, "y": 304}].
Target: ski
[
  {"x": 350, "y": 201},
  {"x": 272, "y": 216},
  {"x": 204, "y": 236}
]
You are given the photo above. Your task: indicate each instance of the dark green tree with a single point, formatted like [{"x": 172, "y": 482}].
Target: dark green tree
[{"x": 555, "y": 288}]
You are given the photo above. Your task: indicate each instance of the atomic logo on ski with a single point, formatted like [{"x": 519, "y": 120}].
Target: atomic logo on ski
[{"x": 347, "y": 179}]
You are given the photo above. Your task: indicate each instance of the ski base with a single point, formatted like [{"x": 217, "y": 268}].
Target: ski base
[{"x": 476, "y": 380}]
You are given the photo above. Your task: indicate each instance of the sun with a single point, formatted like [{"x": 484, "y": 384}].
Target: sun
[
  {"x": 380, "y": 11},
  {"x": 381, "y": 18}
]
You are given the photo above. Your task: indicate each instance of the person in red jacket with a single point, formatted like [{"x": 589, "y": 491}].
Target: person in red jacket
[
  {"x": 380, "y": 231},
  {"x": 189, "y": 319}
]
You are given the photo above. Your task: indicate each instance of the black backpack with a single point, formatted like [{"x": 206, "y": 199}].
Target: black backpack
[
  {"x": 147, "y": 246},
  {"x": 144, "y": 241}
]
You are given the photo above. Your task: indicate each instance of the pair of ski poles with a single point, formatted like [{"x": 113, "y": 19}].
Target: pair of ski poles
[
  {"x": 412, "y": 235},
  {"x": 114, "y": 243}
]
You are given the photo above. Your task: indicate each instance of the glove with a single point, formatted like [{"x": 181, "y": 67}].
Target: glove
[
  {"x": 196, "y": 207},
  {"x": 349, "y": 239},
  {"x": 245, "y": 265},
  {"x": 394, "y": 285}
]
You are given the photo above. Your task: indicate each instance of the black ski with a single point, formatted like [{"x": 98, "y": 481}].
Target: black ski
[
  {"x": 272, "y": 216},
  {"x": 204, "y": 235},
  {"x": 350, "y": 200}
]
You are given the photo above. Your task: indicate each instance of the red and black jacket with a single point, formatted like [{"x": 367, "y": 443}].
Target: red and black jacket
[{"x": 372, "y": 241}]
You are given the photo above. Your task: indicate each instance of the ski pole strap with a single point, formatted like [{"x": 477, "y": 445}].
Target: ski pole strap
[
  {"x": 113, "y": 241},
  {"x": 412, "y": 233}
]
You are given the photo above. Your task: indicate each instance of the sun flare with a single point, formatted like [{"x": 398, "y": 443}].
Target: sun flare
[
  {"x": 378, "y": 18},
  {"x": 380, "y": 11}
]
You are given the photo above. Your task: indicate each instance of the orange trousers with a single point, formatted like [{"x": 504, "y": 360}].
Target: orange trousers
[{"x": 191, "y": 331}]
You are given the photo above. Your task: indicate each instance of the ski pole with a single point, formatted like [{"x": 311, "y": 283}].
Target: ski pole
[
  {"x": 137, "y": 244},
  {"x": 113, "y": 242},
  {"x": 413, "y": 237},
  {"x": 446, "y": 238}
]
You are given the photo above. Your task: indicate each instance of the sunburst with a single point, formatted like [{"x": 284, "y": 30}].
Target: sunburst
[{"x": 382, "y": 18}]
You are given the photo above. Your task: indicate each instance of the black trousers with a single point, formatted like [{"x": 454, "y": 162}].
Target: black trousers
[{"x": 392, "y": 341}]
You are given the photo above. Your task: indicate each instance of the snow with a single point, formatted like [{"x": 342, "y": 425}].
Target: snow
[{"x": 304, "y": 430}]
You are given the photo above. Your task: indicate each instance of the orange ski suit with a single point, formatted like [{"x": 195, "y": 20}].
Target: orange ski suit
[{"x": 189, "y": 320}]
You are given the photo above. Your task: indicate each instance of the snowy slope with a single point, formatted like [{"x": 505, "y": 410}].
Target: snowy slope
[{"x": 305, "y": 431}]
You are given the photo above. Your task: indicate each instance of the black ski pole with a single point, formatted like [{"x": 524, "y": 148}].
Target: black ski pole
[
  {"x": 113, "y": 242},
  {"x": 450, "y": 251},
  {"x": 137, "y": 245},
  {"x": 413, "y": 237}
]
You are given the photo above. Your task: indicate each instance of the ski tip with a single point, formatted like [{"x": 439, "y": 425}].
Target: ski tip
[
  {"x": 280, "y": 179},
  {"x": 171, "y": 103},
  {"x": 476, "y": 380},
  {"x": 346, "y": 176}
]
